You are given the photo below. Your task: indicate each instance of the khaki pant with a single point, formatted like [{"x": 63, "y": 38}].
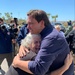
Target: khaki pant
[
  {"x": 8, "y": 57},
  {"x": 5, "y": 62}
]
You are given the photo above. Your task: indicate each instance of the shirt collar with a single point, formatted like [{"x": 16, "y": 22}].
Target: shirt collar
[{"x": 46, "y": 30}]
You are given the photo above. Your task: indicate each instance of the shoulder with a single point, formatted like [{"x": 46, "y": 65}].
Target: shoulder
[
  {"x": 53, "y": 38},
  {"x": 24, "y": 26},
  {"x": 29, "y": 56}
]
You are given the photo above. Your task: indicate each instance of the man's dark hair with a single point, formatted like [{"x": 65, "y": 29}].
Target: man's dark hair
[{"x": 39, "y": 15}]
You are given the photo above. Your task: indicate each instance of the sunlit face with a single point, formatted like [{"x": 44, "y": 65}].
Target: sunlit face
[
  {"x": 33, "y": 26},
  {"x": 1, "y": 22},
  {"x": 74, "y": 27},
  {"x": 35, "y": 46}
]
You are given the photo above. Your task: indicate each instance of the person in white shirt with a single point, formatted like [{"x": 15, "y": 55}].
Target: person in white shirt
[{"x": 59, "y": 29}]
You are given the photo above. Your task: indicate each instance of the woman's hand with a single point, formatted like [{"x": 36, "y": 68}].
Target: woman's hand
[
  {"x": 16, "y": 60},
  {"x": 23, "y": 51},
  {"x": 68, "y": 61}
]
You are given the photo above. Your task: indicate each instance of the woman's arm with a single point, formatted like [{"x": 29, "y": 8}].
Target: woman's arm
[{"x": 66, "y": 65}]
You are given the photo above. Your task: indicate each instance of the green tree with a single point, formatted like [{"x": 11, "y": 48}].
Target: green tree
[
  {"x": 3, "y": 18},
  {"x": 54, "y": 17},
  {"x": 0, "y": 14},
  {"x": 11, "y": 15},
  {"x": 7, "y": 15},
  {"x": 48, "y": 14}
]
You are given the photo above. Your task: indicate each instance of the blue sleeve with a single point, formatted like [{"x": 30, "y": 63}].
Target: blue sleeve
[
  {"x": 45, "y": 57},
  {"x": 22, "y": 33}
]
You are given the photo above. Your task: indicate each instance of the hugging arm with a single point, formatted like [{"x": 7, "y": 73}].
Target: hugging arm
[
  {"x": 65, "y": 67},
  {"x": 60, "y": 71}
]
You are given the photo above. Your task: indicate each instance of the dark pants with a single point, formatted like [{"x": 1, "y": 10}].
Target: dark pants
[{"x": 16, "y": 71}]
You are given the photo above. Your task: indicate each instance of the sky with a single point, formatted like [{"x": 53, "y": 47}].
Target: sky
[{"x": 65, "y": 9}]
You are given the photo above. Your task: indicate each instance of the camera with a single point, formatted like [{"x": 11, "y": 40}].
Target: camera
[
  {"x": 13, "y": 30},
  {"x": 11, "y": 25},
  {"x": 2, "y": 27}
]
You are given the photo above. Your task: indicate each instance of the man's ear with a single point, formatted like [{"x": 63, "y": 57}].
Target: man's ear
[{"x": 42, "y": 24}]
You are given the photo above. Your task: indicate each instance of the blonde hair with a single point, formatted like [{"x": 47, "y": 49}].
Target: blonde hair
[
  {"x": 58, "y": 27},
  {"x": 26, "y": 42}
]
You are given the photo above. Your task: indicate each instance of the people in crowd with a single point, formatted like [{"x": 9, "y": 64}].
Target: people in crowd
[
  {"x": 73, "y": 26},
  {"x": 6, "y": 40},
  {"x": 71, "y": 39},
  {"x": 13, "y": 24},
  {"x": 13, "y": 27},
  {"x": 59, "y": 29},
  {"x": 69, "y": 28},
  {"x": 14, "y": 31},
  {"x": 22, "y": 34},
  {"x": 32, "y": 43},
  {"x": 53, "y": 51}
]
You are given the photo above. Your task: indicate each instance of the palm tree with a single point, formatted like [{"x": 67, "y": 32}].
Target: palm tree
[
  {"x": 11, "y": 14},
  {"x": 48, "y": 14},
  {"x": 3, "y": 17},
  {"x": 54, "y": 17},
  {"x": 8, "y": 16},
  {"x": 0, "y": 14}
]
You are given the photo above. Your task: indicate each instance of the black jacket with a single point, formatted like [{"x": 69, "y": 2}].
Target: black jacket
[{"x": 71, "y": 40}]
